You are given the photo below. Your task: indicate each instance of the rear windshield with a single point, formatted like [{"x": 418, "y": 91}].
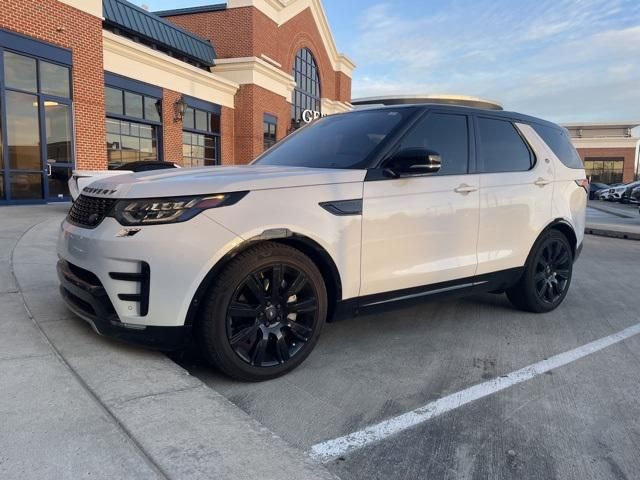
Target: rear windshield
[
  {"x": 338, "y": 141},
  {"x": 559, "y": 142}
]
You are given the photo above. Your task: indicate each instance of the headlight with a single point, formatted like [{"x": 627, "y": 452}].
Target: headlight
[{"x": 155, "y": 211}]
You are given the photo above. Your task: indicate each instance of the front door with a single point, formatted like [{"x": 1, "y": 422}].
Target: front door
[
  {"x": 422, "y": 231},
  {"x": 36, "y": 157}
]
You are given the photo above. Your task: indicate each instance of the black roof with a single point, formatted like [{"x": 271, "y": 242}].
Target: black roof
[
  {"x": 137, "y": 22},
  {"x": 189, "y": 10},
  {"x": 468, "y": 110}
]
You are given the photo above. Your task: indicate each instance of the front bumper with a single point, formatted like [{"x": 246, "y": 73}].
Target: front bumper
[
  {"x": 86, "y": 297},
  {"x": 150, "y": 278}
]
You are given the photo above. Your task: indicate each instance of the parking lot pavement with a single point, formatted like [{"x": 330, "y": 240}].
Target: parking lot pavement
[
  {"x": 615, "y": 208},
  {"x": 613, "y": 213},
  {"x": 580, "y": 420}
]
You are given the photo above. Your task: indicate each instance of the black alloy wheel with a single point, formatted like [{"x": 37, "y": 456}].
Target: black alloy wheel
[
  {"x": 272, "y": 315},
  {"x": 547, "y": 275},
  {"x": 553, "y": 270},
  {"x": 263, "y": 315}
]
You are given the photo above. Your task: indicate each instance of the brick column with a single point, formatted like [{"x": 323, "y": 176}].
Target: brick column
[
  {"x": 227, "y": 136},
  {"x": 171, "y": 128}
]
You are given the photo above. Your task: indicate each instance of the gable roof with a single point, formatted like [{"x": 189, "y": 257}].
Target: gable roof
[{"x": 135, "y": 21}]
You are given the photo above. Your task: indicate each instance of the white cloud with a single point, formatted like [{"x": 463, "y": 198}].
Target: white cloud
[{"x": 563, "y": 59}]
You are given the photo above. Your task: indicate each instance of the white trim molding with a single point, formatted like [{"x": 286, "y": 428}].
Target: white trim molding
[
  {"x": 604, "y": 142},
  {"x": 93, "y": 7},
  {"x": 139, "y": 62},
  {"x": 281, "y": 11},
  {"x": 254, "y": 70},
  {"x": 329, "y": 107}
]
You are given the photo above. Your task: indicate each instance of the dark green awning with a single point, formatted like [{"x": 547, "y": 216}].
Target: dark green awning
[{"x": 137, "y": 22}]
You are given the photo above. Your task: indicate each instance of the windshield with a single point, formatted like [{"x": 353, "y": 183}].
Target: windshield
[{"x": 337, "y": 141}]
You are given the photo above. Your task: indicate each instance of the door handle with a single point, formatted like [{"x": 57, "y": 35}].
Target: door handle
[
  {"x": 49, "y": 171},
  {"x": 541, "y": 182},
  {"x": 464, "y": 189}
]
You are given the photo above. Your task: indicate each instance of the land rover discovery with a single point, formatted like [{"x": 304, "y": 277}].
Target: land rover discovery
[{"x": 354, "y": 212}]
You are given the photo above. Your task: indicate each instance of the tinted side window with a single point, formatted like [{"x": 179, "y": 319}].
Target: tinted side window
[
  {"x": 501, "y": 147},
  {"x": 559, "y": 142},
  {"x": 445, "y": 134}
]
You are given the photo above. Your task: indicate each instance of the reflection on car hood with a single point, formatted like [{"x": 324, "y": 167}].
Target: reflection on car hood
[{"x": 210, "y": 180}]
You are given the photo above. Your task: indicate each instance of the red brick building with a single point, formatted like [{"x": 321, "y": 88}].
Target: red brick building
[
  {"x": 87, "y": 84},
  {"x": 610, "y": 151}
]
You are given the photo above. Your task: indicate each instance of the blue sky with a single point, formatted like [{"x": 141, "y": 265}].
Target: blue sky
[{"x": 565, "y": 60}]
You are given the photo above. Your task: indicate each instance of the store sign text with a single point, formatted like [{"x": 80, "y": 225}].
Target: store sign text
[{"x": 309, "y": 116}]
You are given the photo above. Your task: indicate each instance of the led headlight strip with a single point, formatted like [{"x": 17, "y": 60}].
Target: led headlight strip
[{"x": 157, "y": 211}]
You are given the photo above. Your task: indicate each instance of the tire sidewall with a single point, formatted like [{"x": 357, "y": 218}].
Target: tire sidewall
[
  {"x": 214, "y": 324},
  {"x": 530, "y": 285}
]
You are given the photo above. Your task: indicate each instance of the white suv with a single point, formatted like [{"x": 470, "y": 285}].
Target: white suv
[{"x": 354, "y": 212}]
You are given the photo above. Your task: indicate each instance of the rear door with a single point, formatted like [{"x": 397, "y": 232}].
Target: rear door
[
  {"x": 420, "y": 231},
  {"x": 516, "y": 192}
]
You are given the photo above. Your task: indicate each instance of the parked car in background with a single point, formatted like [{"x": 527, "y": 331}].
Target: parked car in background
[
  {"x": 602, "y": 194},
  {"x": 353, "y": 212},
  {"x": 635, "y": 195},
  {"x": 615, "y": 194},
  {"x": 626, "y": 194},
  {"x": 82, "y": 178},
  {"x": 594, "y": 188}
]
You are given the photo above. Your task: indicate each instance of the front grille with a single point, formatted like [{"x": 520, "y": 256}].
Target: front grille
[{"x": 90, "y": 211}]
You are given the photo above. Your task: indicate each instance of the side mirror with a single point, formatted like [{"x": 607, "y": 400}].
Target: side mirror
[{"x": 413, "y": 162}]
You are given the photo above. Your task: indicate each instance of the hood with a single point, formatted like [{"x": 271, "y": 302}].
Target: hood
[{"x": 212, "y": 180}]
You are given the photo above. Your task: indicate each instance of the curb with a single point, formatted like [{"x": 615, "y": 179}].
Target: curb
[{"x": 601, "y": 232}]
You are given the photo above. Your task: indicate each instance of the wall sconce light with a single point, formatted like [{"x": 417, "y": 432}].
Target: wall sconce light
[{"x": 181, "y": 109}]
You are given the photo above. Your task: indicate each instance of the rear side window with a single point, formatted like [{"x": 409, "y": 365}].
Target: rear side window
[
  {"x": 501, "y": 147},
  {"x": 559, "y": 142},
  {"x": 445, "y": 134}
]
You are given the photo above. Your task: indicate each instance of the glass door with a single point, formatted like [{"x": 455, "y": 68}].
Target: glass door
[
  {"x": 58, "y": 132},
  {"x": 36, "y": 128},
  {"x": 23, "y": 145}
]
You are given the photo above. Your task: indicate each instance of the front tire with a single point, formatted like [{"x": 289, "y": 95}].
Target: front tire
[
  {"x": 547, "y": 276},
  {"x": 264, "y": 314}
]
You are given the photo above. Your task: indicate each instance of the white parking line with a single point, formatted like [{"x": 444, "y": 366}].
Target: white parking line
[{"x": 337, "y": 447}]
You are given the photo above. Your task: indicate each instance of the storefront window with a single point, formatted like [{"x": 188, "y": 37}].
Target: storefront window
[
  {"x": 54, "y": 80},
  {"x": 130, "y": 142},
  {"x": 198, "y": 150},
  {"x": 604, "y": 170},
  {"x": 307, "y": 94},
  {"x": 37, "y": 127},
  {"x": 270, "y": 126},
  {"x": 200, "y": 138},
  {"x": 20, "y": 72},
  {"x": 133, "y": 126}
]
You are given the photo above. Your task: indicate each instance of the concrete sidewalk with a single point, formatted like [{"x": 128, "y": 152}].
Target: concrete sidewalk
[
  {"x": 615, "y": 221},
  {"x": 75, "y": 405}
]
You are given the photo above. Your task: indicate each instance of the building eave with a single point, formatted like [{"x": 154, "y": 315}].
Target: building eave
[
  {"x": 281, "y": 11},
  {"x": 166, "y": 72},
  {"x": 256, "y": 71}
]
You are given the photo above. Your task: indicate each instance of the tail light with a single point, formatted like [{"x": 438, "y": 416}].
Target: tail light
[{"x": 584, "y": 183}]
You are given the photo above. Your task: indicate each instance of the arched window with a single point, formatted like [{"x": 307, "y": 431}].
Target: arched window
[{"x": 307, "y": 94}]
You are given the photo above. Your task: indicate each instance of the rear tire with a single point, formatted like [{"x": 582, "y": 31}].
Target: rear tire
[
  {"x": 547, "y": 276},
  {"x": 264, "y": 314}
]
